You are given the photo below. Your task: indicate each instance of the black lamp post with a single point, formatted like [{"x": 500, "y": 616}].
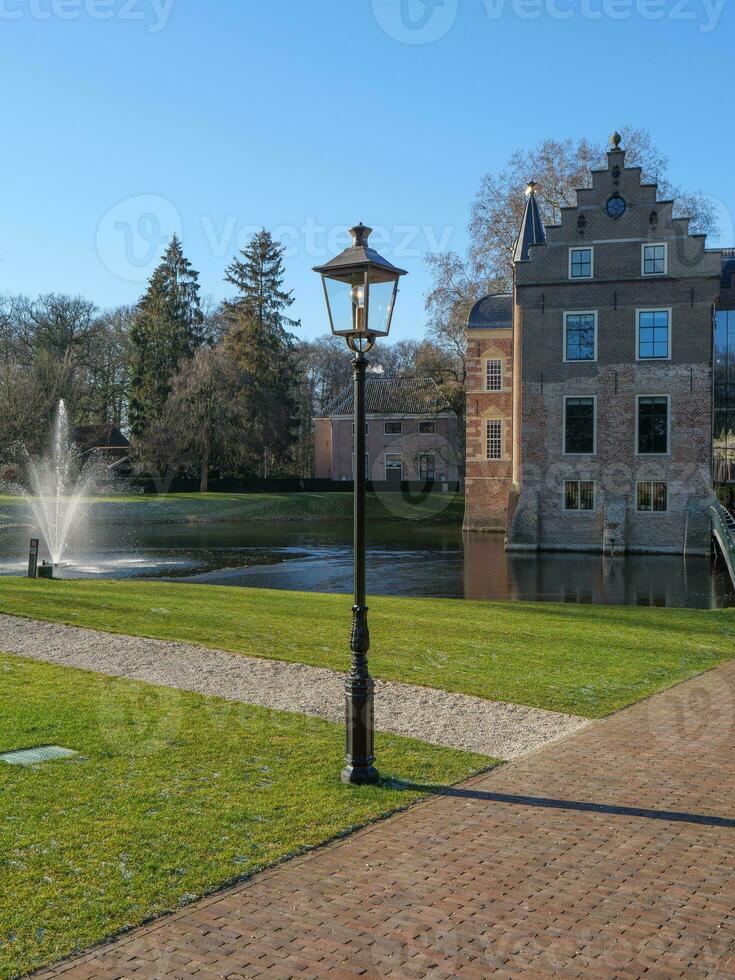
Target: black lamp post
[{"x": 360, "y": 288}]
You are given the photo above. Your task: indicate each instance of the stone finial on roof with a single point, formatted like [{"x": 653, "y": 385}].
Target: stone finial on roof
[{"x": 616, "y": 139}]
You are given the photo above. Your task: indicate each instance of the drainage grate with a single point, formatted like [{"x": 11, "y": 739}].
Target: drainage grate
[{"x": 30, "y": 757}]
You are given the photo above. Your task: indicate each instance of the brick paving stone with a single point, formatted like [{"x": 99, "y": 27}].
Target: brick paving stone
[{"x": 608, "y": 854}]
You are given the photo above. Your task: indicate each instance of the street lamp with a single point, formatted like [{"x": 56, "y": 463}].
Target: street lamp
[{"x": 360, "y": 288}]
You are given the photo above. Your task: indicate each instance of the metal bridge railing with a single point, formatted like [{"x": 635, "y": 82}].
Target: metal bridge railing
[{"x": 723, "y": 529}]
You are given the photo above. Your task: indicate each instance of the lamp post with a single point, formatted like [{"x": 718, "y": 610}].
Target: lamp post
[{"x": 360, "y": 289}]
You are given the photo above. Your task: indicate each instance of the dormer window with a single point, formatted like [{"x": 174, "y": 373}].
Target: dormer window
[
  {"x": 655, "y": 259},
  {"x": 581, "y": 263}
]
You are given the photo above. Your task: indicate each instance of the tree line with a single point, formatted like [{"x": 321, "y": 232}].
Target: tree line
[{"x": 202, "y": 389}]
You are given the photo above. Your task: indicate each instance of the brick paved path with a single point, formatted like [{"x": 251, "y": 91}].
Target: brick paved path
[{"x": 609, "y": 854}]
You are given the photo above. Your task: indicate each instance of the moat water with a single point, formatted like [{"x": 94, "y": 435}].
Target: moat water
[{"x": 403, "y": 559}]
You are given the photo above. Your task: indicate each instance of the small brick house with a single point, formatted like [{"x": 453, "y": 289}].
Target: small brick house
[
  {"x": 411, "y": 433},
  {"x": 589, "y": 401}
]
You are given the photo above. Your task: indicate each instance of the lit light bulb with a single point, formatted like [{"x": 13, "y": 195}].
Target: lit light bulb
[{"x": 358, "y": 308}]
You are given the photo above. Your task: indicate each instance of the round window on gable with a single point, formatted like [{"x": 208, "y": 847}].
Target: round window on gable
[{"x": 616, "y": 206}]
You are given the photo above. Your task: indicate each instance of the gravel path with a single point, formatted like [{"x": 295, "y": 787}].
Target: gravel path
[{"x": 492, "y": 728}]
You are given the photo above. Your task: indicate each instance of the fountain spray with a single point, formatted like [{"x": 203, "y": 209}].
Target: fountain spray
[{"x": 57, "y": 488}]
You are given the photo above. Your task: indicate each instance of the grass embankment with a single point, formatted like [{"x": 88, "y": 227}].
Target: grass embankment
[
  {"x": 445, "y": 508},
  {"x": 586, "y": 660},
  {"x": 173, "y": 795}
]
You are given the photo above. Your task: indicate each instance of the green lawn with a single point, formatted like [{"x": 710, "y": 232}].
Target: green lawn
[
  {"x": 173, "y": 795},
  {"x": 586, "y": 660},
  {"x": 446, "y": 508}
]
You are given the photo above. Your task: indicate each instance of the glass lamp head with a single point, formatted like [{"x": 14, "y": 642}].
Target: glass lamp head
[{"x": 360, "y": 289}]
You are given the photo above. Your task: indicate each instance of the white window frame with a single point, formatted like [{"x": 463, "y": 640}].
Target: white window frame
[
  {"x": 654, "y": 394},
  {"x": 388, "y": 422},
  {"x": 564, "y": 426},
  {"x": 652, "y": 512},
  {"x": 654, "y": 275},
  {"x": 367, "y": 428},
  {"x": 578, "y": 510},
  {"x": 651, "y": 309},
  {"x": 565, "y": 314},
  {"x": 488, "y": 362},
  {"x": 425, "y": 422},
  {"x": 385, "y": 463},
  {"x": 488, "y": 423},
  {"x": 579, "y": 248}
]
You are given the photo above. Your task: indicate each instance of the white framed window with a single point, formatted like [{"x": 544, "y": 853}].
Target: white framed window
[
  {"x": 654, "y": 259},
  {"x": 579, "y": 425},
  {"x": 367, "y": 425},
  {"x": 580, "y": 335},
  {"x": 582, "y": 262},
  {"x": 427, "y": 428},
  {"x": 653, "y": 335},
  {"x": 494, "y": 438},
  {"x": 427, "y": 467},
  {"x": 367, "y": 466},
  {"x": 494, "y": 374},
  {"x": 652, "y": 497},
  {"x": 579, "y": 496},
  {"x": 653, "y": 425},
  {"x": 393, "y": 428},
  {"x": 394, "y": 467}
]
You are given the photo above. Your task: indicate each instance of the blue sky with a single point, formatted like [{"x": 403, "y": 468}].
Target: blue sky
[{"x": 127, "y": 119}]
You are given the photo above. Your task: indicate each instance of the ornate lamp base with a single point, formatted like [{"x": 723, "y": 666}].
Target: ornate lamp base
[
  {"x": 359, "y": 687},
  {"x": 360, "y": 775}
]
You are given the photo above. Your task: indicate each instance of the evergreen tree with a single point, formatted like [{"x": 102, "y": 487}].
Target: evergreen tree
[
  {"x": 167, "y": 328},
  {"x": 260, "y": 342},
  {"x": 258, "y": 277}
]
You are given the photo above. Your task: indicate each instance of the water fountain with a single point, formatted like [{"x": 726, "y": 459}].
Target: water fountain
[{"x": 57, "y": 486}]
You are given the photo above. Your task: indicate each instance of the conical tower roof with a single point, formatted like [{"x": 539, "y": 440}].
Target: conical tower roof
[{"x": 532, "y": 227}]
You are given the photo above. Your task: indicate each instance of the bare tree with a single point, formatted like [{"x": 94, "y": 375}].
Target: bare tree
[
  {"x": 105, "y": 381},
  {"x": 18, "y": 412},
  {"x": 205, "y": 421}
]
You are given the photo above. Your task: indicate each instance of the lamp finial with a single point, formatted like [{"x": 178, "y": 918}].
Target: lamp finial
[{"x": 360, "y": 234}]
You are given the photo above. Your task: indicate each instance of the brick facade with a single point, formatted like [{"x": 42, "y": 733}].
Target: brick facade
[
  {"x": 488, "y": 481},
  {"x": 410, "y": 444},
  {"x": 532, "y": 478},
  {"x": 411, "y": 433}
]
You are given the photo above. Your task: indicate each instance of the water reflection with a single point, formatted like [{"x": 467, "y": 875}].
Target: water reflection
[
  {"x": 403, "y": 559},
  {"x": 633, "y": 580}
]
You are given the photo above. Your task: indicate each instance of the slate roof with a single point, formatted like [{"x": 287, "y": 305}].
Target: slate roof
[
  {"x": 392, "y": 396},
  {"x": 492, "y": 313},
  {"x": 88, "y": 437},
  {"x": 532, "y": 229}
]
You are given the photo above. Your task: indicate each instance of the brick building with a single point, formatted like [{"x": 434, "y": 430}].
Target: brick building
[
  {"x": 411, "y": 433},
  {"x": 589, "y": 403}
]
